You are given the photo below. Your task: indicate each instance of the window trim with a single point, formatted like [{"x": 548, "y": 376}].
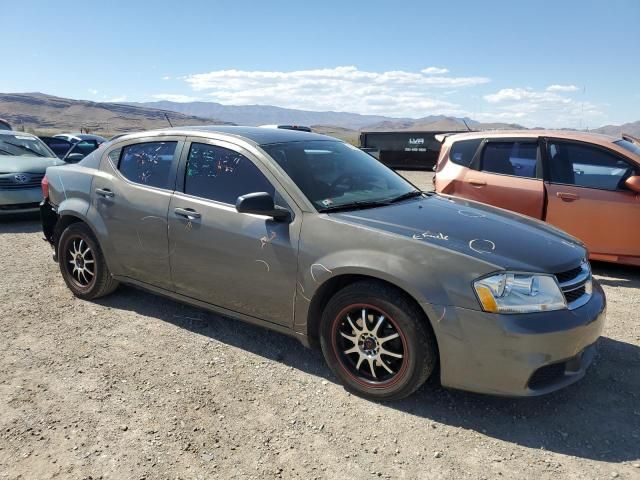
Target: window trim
[
  {"x": 182, "y": 172},
  {"x": 478, "y": 159},
  {"x": 547, "y": 179},
  {"x": 180, "y": 142}
]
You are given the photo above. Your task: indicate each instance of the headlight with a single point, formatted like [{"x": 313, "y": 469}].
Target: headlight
[{"x": 519, "y": 293}]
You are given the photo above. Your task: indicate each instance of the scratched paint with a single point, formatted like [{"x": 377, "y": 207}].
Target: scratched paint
[
  {"x": 471, "y": 214},
  {"x": 301, "y": 292},
  {"x": 265, "y": 264},
  {"x": 317, "y": 265},
  {"x": 480, "y": 245}
]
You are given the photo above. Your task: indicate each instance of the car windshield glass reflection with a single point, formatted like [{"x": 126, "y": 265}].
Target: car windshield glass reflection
[
  {"x": 334, "y": 175},
  {"x": 22, "y": 146}
]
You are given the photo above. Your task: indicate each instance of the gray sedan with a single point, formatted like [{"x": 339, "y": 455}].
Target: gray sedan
[{"x": 310, "y": 236}]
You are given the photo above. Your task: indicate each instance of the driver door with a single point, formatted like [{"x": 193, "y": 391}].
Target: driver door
[
  {"x": 587, "y": 198},
  {"x": 242, "y": 262}
]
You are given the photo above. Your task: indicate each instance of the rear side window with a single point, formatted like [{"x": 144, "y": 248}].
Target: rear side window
[
  {"x": 220, "y": 174},
  {"x": 148, "y": 163},
  {"x": 511, "y": 158},
  {"x": 462, "y": 152},
  {"x": 586, "y": 166}
]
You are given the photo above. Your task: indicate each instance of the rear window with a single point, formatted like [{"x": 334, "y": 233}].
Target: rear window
[
  {"x": 462, "y": 152},
  {"x": 630, "y": 146}
]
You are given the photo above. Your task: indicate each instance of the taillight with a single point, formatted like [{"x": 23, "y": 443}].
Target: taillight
[{"x": 45, "y": 187}]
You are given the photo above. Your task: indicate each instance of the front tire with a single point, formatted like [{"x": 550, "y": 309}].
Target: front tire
[
  {"x": 377, "y": 341},
  {"x": 82, "y": 263}
]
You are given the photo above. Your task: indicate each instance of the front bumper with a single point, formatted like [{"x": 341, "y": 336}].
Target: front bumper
[
  {"x": 20, "y": 200},
  {"x": 518, "y": 355}
]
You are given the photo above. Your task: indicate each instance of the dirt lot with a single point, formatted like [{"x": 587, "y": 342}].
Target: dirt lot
[{"x": 136, "y": 386}]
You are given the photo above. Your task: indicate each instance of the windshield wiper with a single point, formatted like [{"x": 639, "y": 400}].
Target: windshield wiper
[
  {"x": 405, "y": 196},
  {"x": 23, "y": 148},
  {"x": 354, "y": 206}
]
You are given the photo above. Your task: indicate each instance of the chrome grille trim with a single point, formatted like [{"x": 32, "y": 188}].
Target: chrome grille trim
[{"x": 578, "y": 280}]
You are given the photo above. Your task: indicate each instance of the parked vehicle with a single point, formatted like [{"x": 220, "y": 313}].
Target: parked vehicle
[
  {"x": 4, "y": 125},
  {"x": 70, "y": 152},
  {"x": 402, "y": 150},
  {"x": 583, "y": 183},
  {"x": 77, "y": 137},
  {"x": 312, "y": 237},
  {"x": 23, "y": 161}
]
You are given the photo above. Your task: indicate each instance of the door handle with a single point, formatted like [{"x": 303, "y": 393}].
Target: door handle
[
  {"x": 477, "y": 183},
  {"x": 105, "y": 192},
  {"x": 567, "y": 197},
  {"x": 189, "y": 213}
]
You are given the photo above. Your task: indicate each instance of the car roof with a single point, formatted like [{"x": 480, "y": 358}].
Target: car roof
[
  {"x": 600, "y": 139},
  {"x": 256, "y": 135},
  {"x": 13, "y": 132}
]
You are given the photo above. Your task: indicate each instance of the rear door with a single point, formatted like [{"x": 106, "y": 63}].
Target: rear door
[
  {"x": 242, "y": 262},
  {"x": 130, "y": 200},
  {"x": 506, "y": 173},
  {"x": 588, "y": 199}
]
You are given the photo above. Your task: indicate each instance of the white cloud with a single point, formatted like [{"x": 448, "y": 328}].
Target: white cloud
[
  {"x": 166, "y": 77},
  {"x": 345, "y": 88},
  {"x": 92, "y": 91},
  {"x": 173, "y": 97},
  {"x": 434, "y": 71},
  {"x": 550, "y": 107},
  {"x": 562, "y": 88}
]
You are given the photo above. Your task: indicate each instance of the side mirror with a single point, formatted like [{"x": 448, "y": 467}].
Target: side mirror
[
  {"x": 261, "y": 203},
  {"x": 74, "y": 157},
  {"x": 633, "y": 183}
]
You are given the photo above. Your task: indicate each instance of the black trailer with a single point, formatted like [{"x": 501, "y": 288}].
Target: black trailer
[{"x": 403, "y": 150}]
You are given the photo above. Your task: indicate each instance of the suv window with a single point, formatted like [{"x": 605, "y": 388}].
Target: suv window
[
  {"x": 511, "y": 158},
  {"x": 220, "y": 174},
  {"x": 462, "y": 152},
  {"x": 586, "y": 166},
  {"x": 148, "y": 163}
]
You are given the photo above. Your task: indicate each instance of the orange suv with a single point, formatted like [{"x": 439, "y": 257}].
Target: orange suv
[{"x": 583, "y": 183}]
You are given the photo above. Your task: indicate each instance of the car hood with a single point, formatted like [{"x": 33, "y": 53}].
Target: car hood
[
  {"x": 27, "y": 164},
  {"x": 504, "y": 239}
]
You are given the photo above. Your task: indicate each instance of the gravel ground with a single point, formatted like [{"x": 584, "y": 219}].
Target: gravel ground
[{"x": 137, "y": 386}]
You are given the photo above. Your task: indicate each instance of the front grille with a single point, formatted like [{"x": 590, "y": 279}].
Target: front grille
[
  {"x": 546, "y": 376},
  {"x": 20, "y": 180},
  {"x": 576, "y": 285}
]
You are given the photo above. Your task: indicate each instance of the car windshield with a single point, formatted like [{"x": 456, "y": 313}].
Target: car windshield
[
  {"x": 630, "y": 146},
  {"x": 23, "y": 145},
  {"x": 334, "y": 175}
]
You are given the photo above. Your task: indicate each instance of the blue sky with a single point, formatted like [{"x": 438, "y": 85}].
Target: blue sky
[{"x": 549, "y": 63}]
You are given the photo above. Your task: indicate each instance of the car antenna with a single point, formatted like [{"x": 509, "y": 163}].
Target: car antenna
[
  {"x": 466, "y": 125},
  {"x": 167, "y": 117}
]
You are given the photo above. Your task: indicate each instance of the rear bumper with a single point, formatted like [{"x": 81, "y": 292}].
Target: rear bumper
[
  {"x": 518, "y": 355},
  {"x": 20, "y": 200}
]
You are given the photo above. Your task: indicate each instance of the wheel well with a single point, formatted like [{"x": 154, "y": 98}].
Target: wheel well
[
  {"x": 331, "y": 287},
  {"x": 62, "y": 223}
]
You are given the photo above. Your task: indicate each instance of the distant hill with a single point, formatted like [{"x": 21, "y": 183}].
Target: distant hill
[
  {"x": 632, "y": 128},
  {"x": 267, "y": 114},
  {"x": 45, "y": 113}
]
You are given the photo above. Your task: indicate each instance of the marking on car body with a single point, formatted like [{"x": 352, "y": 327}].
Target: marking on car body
[
  {"x": 264, "y": 239},
  {"x": 302, "y": 292},
  {"x": 317, "y": 265},
  {"x": 64, "y": 190},
  {"x": 428, "y": 234},
  {"x": 265, "y": 264},
  {"x": 488, "y": 245}
]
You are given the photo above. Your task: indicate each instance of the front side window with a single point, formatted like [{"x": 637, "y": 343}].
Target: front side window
[
  {"x": 217, "y": 173},
  {"x": 148, "y": 163},
  {"x": 333, "y": 174},
  {"x": 511, "y": 158},
  {"x": 586, "y": 166},
  {"x": 630, "y": 146}
]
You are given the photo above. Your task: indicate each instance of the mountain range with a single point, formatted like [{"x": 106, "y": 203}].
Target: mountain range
[{"x": 45, "y": 114}]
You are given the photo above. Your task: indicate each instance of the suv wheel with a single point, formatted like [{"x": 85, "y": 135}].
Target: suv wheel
[
  {"x": 82, "y": 263},
  {"x": 377, "y": 341}
]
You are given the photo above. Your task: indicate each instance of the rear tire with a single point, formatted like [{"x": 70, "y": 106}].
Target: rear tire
[
  {"x": 82, "y": 263},
  {"x": 377, "y": 341}
]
